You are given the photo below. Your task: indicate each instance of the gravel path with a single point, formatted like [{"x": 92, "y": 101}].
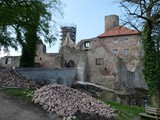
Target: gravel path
[{"x": 15, "y": 109}]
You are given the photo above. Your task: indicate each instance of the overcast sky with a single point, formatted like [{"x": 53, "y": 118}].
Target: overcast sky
[{"x": 87, "y": 15}]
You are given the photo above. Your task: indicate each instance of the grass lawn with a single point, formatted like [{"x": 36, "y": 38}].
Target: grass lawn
[
  {"x": 126, "y": 112},
  {"x": 24, "y": 94}
]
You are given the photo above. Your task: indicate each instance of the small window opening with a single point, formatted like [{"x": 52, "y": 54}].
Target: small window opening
[
  {"x": 8, "y": 61},
  {"x": 126, "y": 51},
  {"x": 115, "y": 51},
  {"x": 99, "y": 61},
  {"x": 115, "y": 41},
  {"x": 126, "y": 40},
  {"x": 86, "y": 44}
]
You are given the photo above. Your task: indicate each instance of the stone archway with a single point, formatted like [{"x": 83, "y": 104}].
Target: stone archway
[{"x": 71, "y": 64}]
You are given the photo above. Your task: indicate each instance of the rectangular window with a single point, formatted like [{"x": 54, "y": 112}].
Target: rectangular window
[
  {"x": 126, "y": 51},
  {"x": 99, "y": 61},
  {"x": 115, "y": 41},
  {"x": 8, "y": 61},
  {"x": 115, "y": 51},
  {"x": 126, "y": 39},
  {"x": 86, "y": 44}
]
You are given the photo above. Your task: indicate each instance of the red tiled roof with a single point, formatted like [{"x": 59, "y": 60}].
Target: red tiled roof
[{"x": 117, "y": 31}]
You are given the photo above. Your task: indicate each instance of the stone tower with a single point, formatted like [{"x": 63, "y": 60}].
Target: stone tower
[
  {"x": 41, "y": 48},
  {"x": 111, "y": 21},
  {"x": 68, "y": 36}
]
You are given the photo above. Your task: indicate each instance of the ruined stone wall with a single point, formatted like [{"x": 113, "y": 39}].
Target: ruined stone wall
[
  {"x": 140, "y": 82},
  {"x": 103, "y": 67},
  {"x": 72, "y": 54},
  {"x": 86, "y": 44},
  {"x": 54, "y": 60},
  {"x": 49, "y": 60},
  {"x": 126, "y": 78},
  {"x": 10, "y": 61},
  {"x": 79, "y": 61},
  {"x": 131, "y": 81}
]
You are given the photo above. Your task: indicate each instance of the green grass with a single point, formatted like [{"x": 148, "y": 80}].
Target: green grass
[
  {"x": 126, "y": 112},
  {"x": 24, "y": 94}
]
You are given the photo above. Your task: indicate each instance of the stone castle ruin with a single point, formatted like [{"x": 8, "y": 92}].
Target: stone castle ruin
[{"x": 110, "y": 60}]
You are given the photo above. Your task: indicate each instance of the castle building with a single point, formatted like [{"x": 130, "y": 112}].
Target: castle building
[
  {"x": 111, "y": 59},
  {"x": 123, "y": 42}
]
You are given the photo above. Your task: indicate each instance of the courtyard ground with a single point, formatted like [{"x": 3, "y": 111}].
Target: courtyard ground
[{"x": 15, "y": 109}]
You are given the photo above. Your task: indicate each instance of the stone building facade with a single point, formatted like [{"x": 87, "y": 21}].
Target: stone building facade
[
  {"x": 111, "y": 60},
  {"x": 10, "y": 61}
]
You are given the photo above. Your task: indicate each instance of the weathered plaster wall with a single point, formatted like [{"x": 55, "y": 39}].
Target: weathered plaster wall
[
  {"x": 105, "y": 73},
  {"x": 46, "y": 75}
]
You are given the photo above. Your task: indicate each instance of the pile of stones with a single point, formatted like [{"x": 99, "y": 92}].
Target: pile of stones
[
  {"x": 12, "y": 78},
  {"x": 67, "y": 102}
]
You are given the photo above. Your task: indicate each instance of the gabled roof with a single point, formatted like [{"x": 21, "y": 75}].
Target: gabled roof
[{"x": 118, "y": 31}]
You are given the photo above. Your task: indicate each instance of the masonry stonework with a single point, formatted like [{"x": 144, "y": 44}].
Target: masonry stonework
[{"x": 10, "y": 61}]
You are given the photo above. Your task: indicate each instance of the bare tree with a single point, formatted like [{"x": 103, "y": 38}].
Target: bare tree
[{"x": 145, "y": 15}]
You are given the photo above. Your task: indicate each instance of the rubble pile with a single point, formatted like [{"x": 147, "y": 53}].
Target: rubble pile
[
  {"x": 11, "y": 78},
  {"x": 66, "y": 102}
]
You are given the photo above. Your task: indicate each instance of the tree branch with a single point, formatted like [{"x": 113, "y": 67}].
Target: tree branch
[{"x": 2, "y": 3}]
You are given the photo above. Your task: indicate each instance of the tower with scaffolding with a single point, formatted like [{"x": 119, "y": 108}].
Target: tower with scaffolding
[{"x": 68, "y": 36}]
